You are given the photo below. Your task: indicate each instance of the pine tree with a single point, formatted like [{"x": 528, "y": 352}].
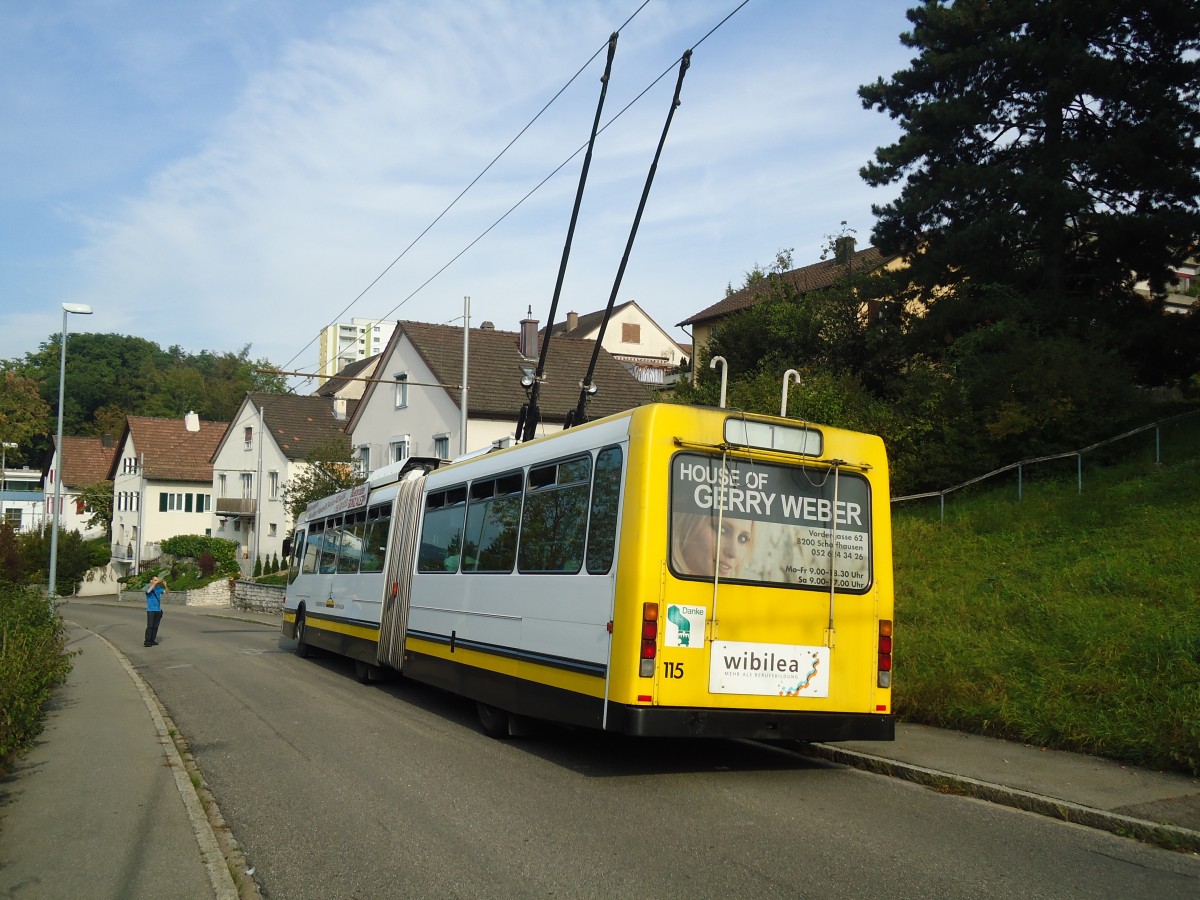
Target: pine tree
[
  {"x": 258, "y": 565},
  {"x": 1051, "y": 146}
]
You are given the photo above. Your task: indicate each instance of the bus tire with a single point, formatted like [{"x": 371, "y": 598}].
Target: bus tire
[
  {"x": 494, "y": 721},
  {"x": 364, "y": 672},
  {"x": 302, "y": 649}
]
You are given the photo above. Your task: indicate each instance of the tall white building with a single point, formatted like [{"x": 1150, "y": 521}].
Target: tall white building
[{"x": 347, "y": 342}]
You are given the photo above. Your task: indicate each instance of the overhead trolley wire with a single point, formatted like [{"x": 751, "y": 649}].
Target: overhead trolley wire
[
  {"x": 462, "y": 193},
  {"x": 670, "y": 68}
]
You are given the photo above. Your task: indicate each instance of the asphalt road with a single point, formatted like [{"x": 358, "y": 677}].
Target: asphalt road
[{"x": 341, "y": 790}]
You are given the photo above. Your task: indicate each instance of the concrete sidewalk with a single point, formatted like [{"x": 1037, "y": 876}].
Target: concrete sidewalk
[{"x": 102, "y": 806}]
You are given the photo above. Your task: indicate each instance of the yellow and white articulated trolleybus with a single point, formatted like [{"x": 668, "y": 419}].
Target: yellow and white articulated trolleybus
[{"x": 668, "y": 571}]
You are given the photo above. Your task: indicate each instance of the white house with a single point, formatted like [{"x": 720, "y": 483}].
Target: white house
[
  {"x": 162, "y": 485},
  {"x": 21, "y": 503},
  {"x": 633, "y": 338},
  {"x": 265, "y": 445},
  {"x": 412, "y": 407},
  {"x": 85, "y": 461},
  {"x": 350, "y": 382}
]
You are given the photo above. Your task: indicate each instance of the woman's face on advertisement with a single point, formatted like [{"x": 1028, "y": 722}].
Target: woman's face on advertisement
[{"x": 701, "y": 551}]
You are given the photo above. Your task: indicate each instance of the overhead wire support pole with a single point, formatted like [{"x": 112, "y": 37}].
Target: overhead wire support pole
[
  {"x": 586, "y": 387},
  {"x": 527, "y": 426}
]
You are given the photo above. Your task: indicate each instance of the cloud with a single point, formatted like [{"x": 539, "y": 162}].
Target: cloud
[{"x": 332, "y": 151}]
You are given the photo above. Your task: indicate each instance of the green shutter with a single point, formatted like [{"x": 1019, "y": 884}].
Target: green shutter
[
  {"x": 187, "y": 502},
  {"x": 162, "y": 501}
]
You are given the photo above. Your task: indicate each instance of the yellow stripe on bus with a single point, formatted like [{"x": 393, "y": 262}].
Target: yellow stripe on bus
[
  {"x": 358, "y": 631},
  {"x": 551, "y": 676}
]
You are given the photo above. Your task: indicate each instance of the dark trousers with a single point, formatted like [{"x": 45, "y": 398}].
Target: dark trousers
[{"x": 152, "y": 620}]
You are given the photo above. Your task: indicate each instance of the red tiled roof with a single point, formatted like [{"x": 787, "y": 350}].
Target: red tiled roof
[
  {"x": 299, "y": 424},
  {"x": 85, "y": 460},
  {"x": 807, "y": 278},
  {"x": 169, "y": 451}
]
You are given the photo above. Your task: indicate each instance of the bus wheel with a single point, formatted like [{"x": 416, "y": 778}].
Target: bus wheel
[
  {"x": 493, "y": 720},
  {"x": 302, "y": 648},
  {"x": 364, "y": 672}
]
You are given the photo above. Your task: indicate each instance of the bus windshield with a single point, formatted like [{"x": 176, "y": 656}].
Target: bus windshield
[{"x": 758, "y": 522}]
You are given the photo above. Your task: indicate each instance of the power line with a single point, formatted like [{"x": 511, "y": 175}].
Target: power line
[
  {"x": 670, "y": 68},
  {"x": 454, "y": 202}
]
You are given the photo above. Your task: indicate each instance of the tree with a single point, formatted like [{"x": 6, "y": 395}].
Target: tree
[
  {"x": 1052, "y": 146},
  {"x": 329, "y": 469},
  {"x": 23, "y": 414},
  {"x": 98, "y": 503}
]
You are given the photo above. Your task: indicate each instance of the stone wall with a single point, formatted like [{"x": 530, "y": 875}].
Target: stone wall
[
  {"x": 215, "y": 594},
  {"x": 264, "y": 598}
]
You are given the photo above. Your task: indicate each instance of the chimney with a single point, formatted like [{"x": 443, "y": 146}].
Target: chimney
[
  {"x": 572, "y": 321},
  {"x": 488, "y": 325},
  {"x": 191, "y": 421},
  {"x": 106, "y": 441},
  {"x": 843, "y": 249},
  {"x": 529, "y": 335},
  {"x": 339, "y": 408}
]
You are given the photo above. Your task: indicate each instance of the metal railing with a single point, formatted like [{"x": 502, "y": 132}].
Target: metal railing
[{"x": 1078, "y": 454}]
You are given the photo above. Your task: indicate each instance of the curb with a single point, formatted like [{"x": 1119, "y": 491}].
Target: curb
[
  {"x": 1170, "y": 837},
  {"x": 221, "y": 857}
]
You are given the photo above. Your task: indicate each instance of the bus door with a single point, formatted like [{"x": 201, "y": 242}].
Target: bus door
[{"x": 769, "y": 603}]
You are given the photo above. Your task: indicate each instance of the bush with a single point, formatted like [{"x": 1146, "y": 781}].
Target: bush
[
  {"x": 207, "y": 564},
  {"x": 33, "y": 660},
  {"x": 194, "y": 546}
]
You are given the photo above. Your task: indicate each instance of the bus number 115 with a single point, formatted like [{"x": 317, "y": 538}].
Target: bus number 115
[{"x": 673, "y": 669}]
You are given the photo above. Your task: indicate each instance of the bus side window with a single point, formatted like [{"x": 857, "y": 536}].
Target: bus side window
[
  {"x": 492, "y": 517},
  {"x": 350, "y": 538},
  {"x": 554, "y": 523},
  {"x": 375, "y": 539},
  {"x": 312, "y": 552},
  {"x": 329, "y": 546},
  {"x": 442, "y": 530},
  {"x": 602, "y": 527}
]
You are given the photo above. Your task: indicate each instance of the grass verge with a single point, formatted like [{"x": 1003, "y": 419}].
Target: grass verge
[{"x": 1065, "y": 620}]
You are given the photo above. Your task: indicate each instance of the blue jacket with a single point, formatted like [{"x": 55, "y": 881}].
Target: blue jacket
[{"x": 154, "y": 598}]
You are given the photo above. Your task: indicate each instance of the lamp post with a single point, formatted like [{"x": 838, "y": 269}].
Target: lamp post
[
  {"x": 79, "y": 309},
  {"x": 5, "y": 446}
]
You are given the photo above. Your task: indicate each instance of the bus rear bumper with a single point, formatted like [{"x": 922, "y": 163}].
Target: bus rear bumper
[{"x": 757, "y": 724}]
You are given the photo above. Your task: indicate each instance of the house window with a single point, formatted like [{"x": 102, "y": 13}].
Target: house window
[
  {"x": 221, "y": 486},
  {"x": 249, "y": 437},
  {"x": 400, "y": 448},
  {"x": 631, "y": 333},
  {"x": 363, "y": 459},
  {"x": 271, "y": 529},
  {"x": 12, "y": 516},
  {"x": 187, "y": 502},
  {"x": 441, "y": 446},
  {"x": 401, "y": 389},
  {"x": 129, "y": 465},
  {"x": 247, "y": 486},
  {"x": 274, "y": 485},
  {"x": 204, "y": 503}
]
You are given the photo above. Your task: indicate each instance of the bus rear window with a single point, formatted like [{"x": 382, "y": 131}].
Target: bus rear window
[{"x": 769, "y": 523}]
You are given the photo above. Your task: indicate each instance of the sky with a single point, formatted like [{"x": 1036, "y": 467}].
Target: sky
[{"x": 226, "y": 173}]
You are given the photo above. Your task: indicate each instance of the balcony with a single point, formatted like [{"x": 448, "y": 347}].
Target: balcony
[
  {"x": 231, "y": 506},
  {"x": 122, "y": 552}
]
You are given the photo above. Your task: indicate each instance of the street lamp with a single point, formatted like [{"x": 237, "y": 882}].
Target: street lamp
[
  {"x": 5, "y": 446},
  {"x": 79, "y": 309}
]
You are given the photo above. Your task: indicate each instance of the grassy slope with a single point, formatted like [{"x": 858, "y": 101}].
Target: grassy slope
[{"x": 1063, "y": 620}]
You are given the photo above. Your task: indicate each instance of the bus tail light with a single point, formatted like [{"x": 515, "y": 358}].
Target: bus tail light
[
  {"x": 649, "y": 639},
  {"x": 885, "y": 653}
]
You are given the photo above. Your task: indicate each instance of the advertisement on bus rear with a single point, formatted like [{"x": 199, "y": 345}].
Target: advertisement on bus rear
[{"x": 747, "y": 521}]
